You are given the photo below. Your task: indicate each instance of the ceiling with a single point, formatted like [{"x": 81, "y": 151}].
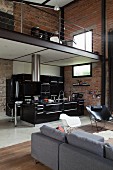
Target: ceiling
[
  {"x": 60, "y": 3},
  {"x": 19, "y": 51}
]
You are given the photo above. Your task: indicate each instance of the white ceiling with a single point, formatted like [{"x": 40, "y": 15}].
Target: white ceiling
[
  {"x": 13, "y": 50},
  {"x": 60, "y": 3}
]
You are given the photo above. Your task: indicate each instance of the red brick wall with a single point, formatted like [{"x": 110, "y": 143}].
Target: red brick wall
[
  {"x": 35, "y": 17},
  {"x": 109, "y": 14},
  {"x": 88, "y": 91},
  {"x": 87, "y": 14}
]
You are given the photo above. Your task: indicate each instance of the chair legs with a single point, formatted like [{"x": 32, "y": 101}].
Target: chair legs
[
  {"x": 12, "y": 113},
  {"x": 92, "y": 119}
]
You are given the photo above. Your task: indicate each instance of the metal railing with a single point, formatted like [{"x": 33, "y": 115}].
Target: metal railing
[{"x": 47, "y": 25}]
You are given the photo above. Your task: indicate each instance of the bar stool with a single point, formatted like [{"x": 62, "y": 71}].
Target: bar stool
[{"x": 11, "y": 108}]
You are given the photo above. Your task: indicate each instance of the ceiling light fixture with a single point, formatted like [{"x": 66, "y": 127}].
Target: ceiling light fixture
[{"x": 56, "y": 8}]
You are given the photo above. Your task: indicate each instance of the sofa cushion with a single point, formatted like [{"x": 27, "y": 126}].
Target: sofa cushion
[
  {"x": 85, "y": 143},
  {"x": 84, "y": 134},
  {"x": 53, "y": 133},
  {"x": 109, "y": 151}
]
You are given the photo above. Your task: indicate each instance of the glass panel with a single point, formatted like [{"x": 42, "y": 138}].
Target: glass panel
[
  {"x": 83, "y": 70},
  {"x": 83, "y": 41}
]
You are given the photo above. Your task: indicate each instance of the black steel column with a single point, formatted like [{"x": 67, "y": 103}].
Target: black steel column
[
  {"x": 110, "y": 69},
  {"x": 103, "y": 34},
  {"x": 62, "y": 24}
]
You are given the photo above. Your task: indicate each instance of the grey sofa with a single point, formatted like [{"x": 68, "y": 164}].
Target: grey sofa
[{"x": 76, "y": 151}]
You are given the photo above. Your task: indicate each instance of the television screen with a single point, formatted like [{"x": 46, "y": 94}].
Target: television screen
[{"x": 82, "y": 70}]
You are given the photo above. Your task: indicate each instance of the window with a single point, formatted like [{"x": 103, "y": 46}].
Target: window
[
  {"x": 83, "y": 41},
  {"x": 82, "y": 70}
]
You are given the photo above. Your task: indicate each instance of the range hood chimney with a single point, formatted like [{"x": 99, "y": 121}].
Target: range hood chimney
[{"x": 35, "y": 67}]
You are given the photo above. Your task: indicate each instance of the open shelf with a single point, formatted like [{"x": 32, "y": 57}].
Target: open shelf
[{"x": 81, "y": 85}]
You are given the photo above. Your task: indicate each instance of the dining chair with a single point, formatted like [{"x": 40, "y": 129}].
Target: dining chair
[{"x": 70, "y": 122}]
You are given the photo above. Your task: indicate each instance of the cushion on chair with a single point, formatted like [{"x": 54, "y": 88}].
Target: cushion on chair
[
  {"x": 53, "y": 133},
  {"x": 94, "y": 108}
]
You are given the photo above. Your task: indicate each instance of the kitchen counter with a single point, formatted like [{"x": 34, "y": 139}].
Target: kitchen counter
[{"x": 40, "y": 112}]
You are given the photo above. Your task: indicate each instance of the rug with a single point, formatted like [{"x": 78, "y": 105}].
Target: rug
[
  {"x": 107, "y": 134},
  {"x": 18, "y": 157},
  {"x": 88, "y": 128},
  {"x": 92, "y": 129}
]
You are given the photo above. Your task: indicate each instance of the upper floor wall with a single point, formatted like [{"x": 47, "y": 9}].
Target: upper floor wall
[
  {"x": 27, "y": 16},
  {"x": 85, "y": 15}
]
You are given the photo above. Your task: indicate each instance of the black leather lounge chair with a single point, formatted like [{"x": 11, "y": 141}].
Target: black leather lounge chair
[{"x": 99, "y": 114}]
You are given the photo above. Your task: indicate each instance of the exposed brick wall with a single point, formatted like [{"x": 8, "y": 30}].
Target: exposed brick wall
[
  {"x": 6, "y": 70},
  {"x": 109, "y": 14},
  {"x": 87, "y": 14},
  {"x": 88, "y": 91},
  {"x": 35, "y": 17},
  {"x": 6, "y": 6}
]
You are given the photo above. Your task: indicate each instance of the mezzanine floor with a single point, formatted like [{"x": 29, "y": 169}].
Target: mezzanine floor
[{"x": 10, "y": 135}]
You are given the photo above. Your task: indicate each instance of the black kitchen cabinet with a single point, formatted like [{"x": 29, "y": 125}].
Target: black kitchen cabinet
[
  {"x": 21, "y": 88},
  {"x": 54, "y": 83},
  {"x": 45, "y": 112}
]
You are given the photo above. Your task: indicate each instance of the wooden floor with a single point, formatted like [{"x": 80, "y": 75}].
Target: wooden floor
[{"x": 18, "y": 157}]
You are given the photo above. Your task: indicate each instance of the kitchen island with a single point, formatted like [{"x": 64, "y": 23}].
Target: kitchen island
[{"x": 40, "y": 112}]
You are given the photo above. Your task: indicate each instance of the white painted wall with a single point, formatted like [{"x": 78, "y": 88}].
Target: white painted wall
[
  {"x": 49, "y": 70},
  {"x": 23, "y": 67}
]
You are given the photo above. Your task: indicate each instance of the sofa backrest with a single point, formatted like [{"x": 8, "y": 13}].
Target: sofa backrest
[
  {"x": 53, "y": 133},
  {"x": 81, "y": 133},
  {"x": 86, "y": 143}
]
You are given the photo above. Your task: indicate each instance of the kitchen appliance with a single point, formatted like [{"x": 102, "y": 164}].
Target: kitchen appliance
[
  {"x": 13, "y": 93},
  {"x": 76, "y": 96},
  {"x": 20, "y": 88}
]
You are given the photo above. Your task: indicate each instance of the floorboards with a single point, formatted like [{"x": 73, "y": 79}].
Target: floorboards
[{"x": 18, "y": 157}]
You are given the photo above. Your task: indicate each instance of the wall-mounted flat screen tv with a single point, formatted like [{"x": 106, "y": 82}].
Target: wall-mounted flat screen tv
[{"x": 82, "y": 70}]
